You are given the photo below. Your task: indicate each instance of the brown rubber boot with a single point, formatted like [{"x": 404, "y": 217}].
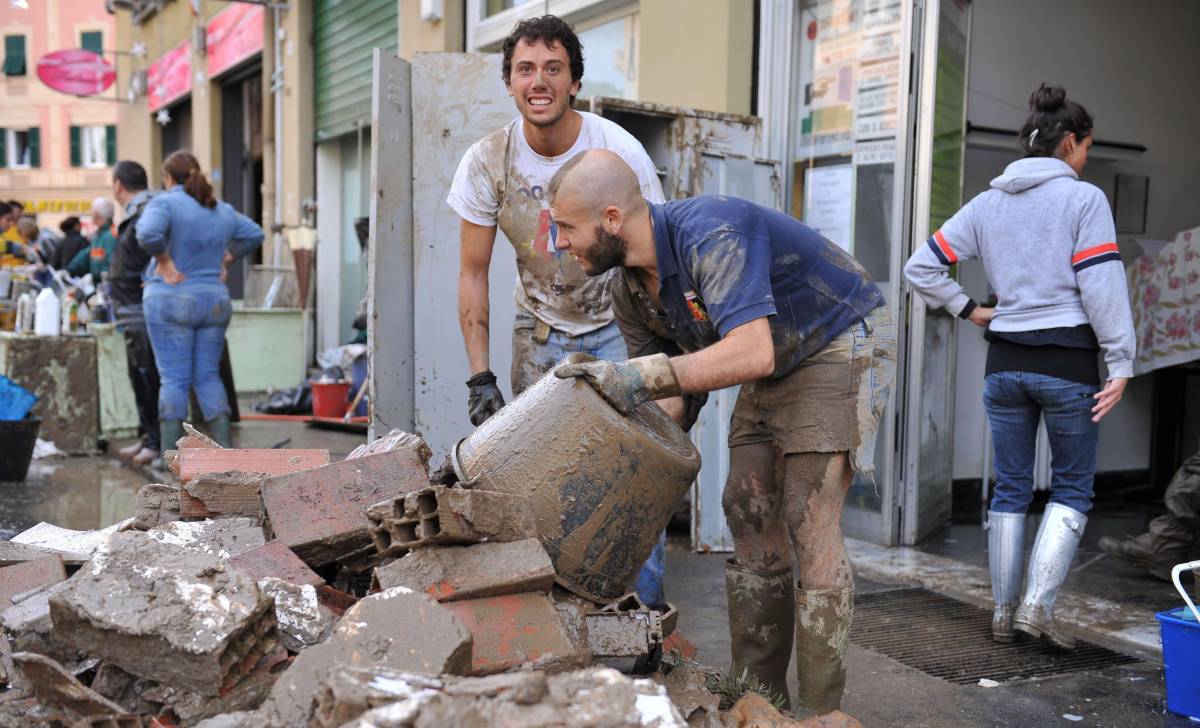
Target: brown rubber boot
[
  {"x": 823, "y": 618},
  {"x": 761, "y": 614}
]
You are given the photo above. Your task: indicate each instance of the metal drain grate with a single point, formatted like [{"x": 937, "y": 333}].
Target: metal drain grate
[{"x": 952, "y": 640}]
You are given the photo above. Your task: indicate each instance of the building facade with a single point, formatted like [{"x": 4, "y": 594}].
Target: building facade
[{"x": 56, "y": 150}]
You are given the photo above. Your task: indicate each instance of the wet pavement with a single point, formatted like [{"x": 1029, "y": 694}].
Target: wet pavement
[
  {"x": 93, "y": 492},
  {"x": 881, "y": 691}
]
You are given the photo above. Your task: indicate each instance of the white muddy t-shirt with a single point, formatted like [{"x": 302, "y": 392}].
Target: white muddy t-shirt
[{"x": 501, "y": 181}]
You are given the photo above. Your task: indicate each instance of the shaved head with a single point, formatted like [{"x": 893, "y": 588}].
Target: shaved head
[{"x": 592, "y": 180}]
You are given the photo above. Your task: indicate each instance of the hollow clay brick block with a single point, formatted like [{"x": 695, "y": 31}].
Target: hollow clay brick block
[
  {"x": 451, "y": 573},
  {"x": 441, "y": 515},
  {"x": 233, "y": 493},
  {"x": 275, "y": 559},
  {"x": 513, "y": 630},
  {"x": 321, "y": 513},
  {"x": 172, "y": 614},
  {"x": 19, "y": 579},
  {"x": 200, "y": 461}
]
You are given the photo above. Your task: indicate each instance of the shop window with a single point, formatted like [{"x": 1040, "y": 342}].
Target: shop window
[
  {"x": 610, "y": 50},
  {"x": 92, "y": 41},
  {"x": 14, "y": 55},
  {"x": 93, "y": 147},
  {"x": 22, "y": 148}
]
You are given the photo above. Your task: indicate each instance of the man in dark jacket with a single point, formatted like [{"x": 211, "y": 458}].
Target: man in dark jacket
[
  {"x": 72, "y": 242},
  {"x": 125, "y": 277}
]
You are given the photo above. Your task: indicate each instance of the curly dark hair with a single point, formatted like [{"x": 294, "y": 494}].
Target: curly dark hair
[{"x": 551, "y": 30}]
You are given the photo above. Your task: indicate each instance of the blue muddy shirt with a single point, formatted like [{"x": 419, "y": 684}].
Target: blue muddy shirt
[{"x": 724, "y": 261}]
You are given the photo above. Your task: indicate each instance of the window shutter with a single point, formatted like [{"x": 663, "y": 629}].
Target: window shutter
[
  {"x": 92, "y": 41},
  {"x": 110, "y": 144},
  {"x": 76, "y": 147},
  {"x": 3, "y": 147},
  {"x": 35, "y": 147},
  {"x": 14, "y": 55}
]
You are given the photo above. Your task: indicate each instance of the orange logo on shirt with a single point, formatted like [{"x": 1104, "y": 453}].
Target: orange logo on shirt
[{"x": 696, "y": 306}]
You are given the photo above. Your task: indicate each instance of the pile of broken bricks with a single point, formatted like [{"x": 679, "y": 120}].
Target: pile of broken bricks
[{"x": 275, "y": 588}]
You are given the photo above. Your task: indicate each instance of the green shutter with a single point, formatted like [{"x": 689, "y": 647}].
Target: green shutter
[
  {"x": 92, "y": 41},
  {"x": 14, "y": 55},
  {"x": 344, "y": 34},
  {"x": 35, "y": 147},
  {"x": 76, "y": 148},
  {"x": 110, "y": 144},
  {"x": 3, "y": 147}
]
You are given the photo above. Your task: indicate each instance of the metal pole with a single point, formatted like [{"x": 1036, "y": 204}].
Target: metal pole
[{"x": 277, "y": 91}]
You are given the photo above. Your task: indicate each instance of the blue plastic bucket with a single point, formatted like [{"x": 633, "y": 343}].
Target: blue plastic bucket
[{"x": 1181, "y": 660}]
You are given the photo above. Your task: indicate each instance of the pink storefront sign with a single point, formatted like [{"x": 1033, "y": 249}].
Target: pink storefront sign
[
  {"x": 76, "y": 72},
  {"x": 170, "y": 76},
  {"x": 232, "y": 36}
]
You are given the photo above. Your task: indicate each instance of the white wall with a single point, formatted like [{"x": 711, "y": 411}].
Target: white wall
[{"x": 1135, "y": 67}]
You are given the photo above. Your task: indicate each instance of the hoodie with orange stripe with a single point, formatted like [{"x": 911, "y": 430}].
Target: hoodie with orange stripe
[{"x": 1048, "y": 244}]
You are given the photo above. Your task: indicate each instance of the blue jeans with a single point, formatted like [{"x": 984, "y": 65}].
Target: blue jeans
[
  {"x": 531, "y": 360},
  {"x": 1015, "y": 401},
  {"x": 187, "y": 330}
]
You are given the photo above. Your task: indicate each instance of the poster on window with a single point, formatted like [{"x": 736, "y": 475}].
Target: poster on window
[{"x": 829, "y": 202}]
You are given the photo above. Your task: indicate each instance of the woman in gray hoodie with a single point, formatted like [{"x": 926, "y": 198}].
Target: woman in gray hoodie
[{"x": 1048, "y": 244}]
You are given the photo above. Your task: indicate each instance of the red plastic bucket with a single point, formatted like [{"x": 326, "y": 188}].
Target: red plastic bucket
[{"x": 330, "y": 399}]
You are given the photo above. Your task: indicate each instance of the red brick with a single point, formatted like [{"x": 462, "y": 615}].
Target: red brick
[
  {"x": 210, "y": 495},
  {"x": 193, "y": 438},
  {"x": 512, "y": 630},
  {"x": 30, "y": 575},
  {"x": 321, "y": 513},
  {"x": 275, "y": 559},
  {"x": 199, "y": 461},
  {"x": 676, "y": 642},
  {"x": 452, "y": 573}
]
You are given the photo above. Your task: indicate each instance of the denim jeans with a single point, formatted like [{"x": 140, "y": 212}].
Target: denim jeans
[
  {"x": 187, "y": 329},
  {"x": 143, "y": 374},
  {"x": 1015, "y": 402},
  {"x": 531, "y": 360}
]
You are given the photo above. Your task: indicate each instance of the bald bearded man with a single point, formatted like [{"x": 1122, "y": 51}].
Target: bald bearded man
[{"x": 717, "y": 291}]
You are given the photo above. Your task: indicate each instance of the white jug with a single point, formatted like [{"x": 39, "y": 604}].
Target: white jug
[{"x": 47, "y": 319}]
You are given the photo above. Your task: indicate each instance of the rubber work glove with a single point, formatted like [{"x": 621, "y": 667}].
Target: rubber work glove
[
  {"x": 626, "y": 384},
  {"x": 484, "y": 399}
]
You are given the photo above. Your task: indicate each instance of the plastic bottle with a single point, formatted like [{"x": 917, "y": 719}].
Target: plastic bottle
[
  {"x": 70, "y": 314},
  {"x": 46, "y": 320},
  {"x": 25, "y": 307}
]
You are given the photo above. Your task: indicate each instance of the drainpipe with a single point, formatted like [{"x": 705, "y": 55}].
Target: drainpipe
[{"x": 277, "y": 93}]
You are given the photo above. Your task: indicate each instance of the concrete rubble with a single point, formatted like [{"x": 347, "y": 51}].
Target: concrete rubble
[
  {"x": 165, "y": 612},
  {"x": 273, "y": 588}
]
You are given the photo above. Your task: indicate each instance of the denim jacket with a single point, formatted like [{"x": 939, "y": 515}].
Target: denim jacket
[{"x": 195, "y": 236}]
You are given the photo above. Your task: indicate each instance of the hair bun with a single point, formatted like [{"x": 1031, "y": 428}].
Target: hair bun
[{"x": 1047, "y": 98}]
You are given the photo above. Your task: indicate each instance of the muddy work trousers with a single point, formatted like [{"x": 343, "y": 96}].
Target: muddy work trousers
[
  {"x": 795, "y": 444},
  {"x": 536, "y": 349}
]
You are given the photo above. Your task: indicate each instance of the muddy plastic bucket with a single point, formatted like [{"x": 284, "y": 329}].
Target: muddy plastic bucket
[
  {"x": 1180, "y": 629},
  {"x": 602, "y": 486},
  {"x": 329, "y": 399},
  {"x": 19, "y": 437}
]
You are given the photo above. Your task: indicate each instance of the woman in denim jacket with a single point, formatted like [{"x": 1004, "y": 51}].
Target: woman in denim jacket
[{"x": 192, "y": 237}]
